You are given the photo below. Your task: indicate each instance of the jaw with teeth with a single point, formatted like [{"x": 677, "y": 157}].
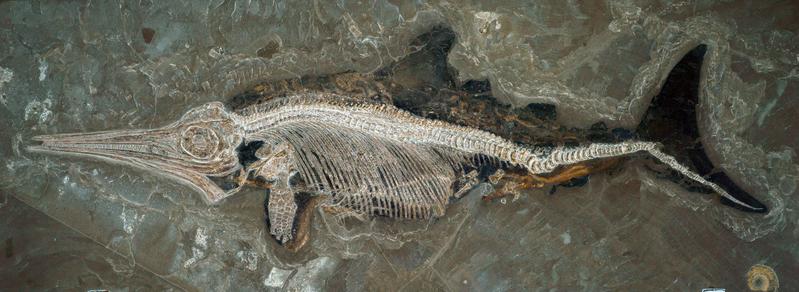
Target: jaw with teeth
[{"x": 198, "y": 146}]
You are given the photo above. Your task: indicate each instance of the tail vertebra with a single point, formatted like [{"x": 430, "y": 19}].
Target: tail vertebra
[{"x": 570, "y": 155}]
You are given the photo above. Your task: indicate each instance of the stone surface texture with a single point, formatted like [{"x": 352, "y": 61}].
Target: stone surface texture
[{"x": 68, "y": 66}]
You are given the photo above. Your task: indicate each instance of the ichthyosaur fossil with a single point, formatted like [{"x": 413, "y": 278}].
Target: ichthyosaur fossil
[{"x": 344, "y": 153}]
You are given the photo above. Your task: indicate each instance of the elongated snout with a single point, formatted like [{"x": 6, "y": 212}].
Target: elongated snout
[
  {"x": 170, "y": 151},
  {"x": 118, "y": 145},
  {"x": 199, "y": 145}
]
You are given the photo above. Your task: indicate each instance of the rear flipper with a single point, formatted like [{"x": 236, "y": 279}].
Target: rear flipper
[{"x": 516, "y": 180}]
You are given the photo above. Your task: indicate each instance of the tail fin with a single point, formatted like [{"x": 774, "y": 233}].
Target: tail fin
[{"x": 672, "y": 120}]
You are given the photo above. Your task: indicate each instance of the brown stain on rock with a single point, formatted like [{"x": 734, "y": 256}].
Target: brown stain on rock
[
  {"x": 268, "y": 50},
  {"x": 148, "y": 34}
]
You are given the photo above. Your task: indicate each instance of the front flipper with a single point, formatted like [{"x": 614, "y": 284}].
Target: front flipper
[
  {"x": 289, "y": 215},
  {"x": 281, "y": 211},
  {"x": 289, "y": 207}
]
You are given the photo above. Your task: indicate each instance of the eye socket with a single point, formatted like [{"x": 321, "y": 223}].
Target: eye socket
[{"x": 199, "y": 142}]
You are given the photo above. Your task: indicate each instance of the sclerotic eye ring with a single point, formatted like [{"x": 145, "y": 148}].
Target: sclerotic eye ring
[{"x": 192, "y": 145}]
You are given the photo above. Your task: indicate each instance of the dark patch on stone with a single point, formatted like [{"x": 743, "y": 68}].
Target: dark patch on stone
[
  {"x": 598, "y": 133},
  {"x": 572, "y": 183},
  {"x": 599, "y": 126},
  {"x": 295, "y": 181},
  {"x": 542, "y": 111},
  {"x": 671, "y": 120},
  {"x": 421, "y": 104},
  {"x": 268, "y": 50},
  {"x": 486, "y": 170},
  {"x": 621, "y": 134},
  {"x": 477, "y": 86},
  {"x": 242, "y": 100},
  {"x": 246, "y": 152},
  {"x": 148, "y": 34},
  {"x": 428, "y": 67},
  {"x": 246, "y": 156},
  {"x": 576, "y": 182}
]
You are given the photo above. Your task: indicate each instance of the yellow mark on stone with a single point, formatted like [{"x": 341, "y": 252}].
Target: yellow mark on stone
[{"x": 762, "y": 278}]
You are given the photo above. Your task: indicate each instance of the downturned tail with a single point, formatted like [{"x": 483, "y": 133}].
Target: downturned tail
[{"x": 571, "y": 155}]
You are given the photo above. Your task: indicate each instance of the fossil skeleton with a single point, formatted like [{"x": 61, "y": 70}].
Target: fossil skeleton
[{"x": 362, "y": 157}]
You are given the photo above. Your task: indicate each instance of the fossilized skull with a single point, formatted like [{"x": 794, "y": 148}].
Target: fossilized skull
[{"x": 199, "y": 145}]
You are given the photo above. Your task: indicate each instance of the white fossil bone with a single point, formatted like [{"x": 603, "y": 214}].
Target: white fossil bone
[{"x": 373, "y": 159}]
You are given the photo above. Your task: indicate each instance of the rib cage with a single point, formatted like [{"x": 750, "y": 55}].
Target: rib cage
[{"x": 370, "y": 174}]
